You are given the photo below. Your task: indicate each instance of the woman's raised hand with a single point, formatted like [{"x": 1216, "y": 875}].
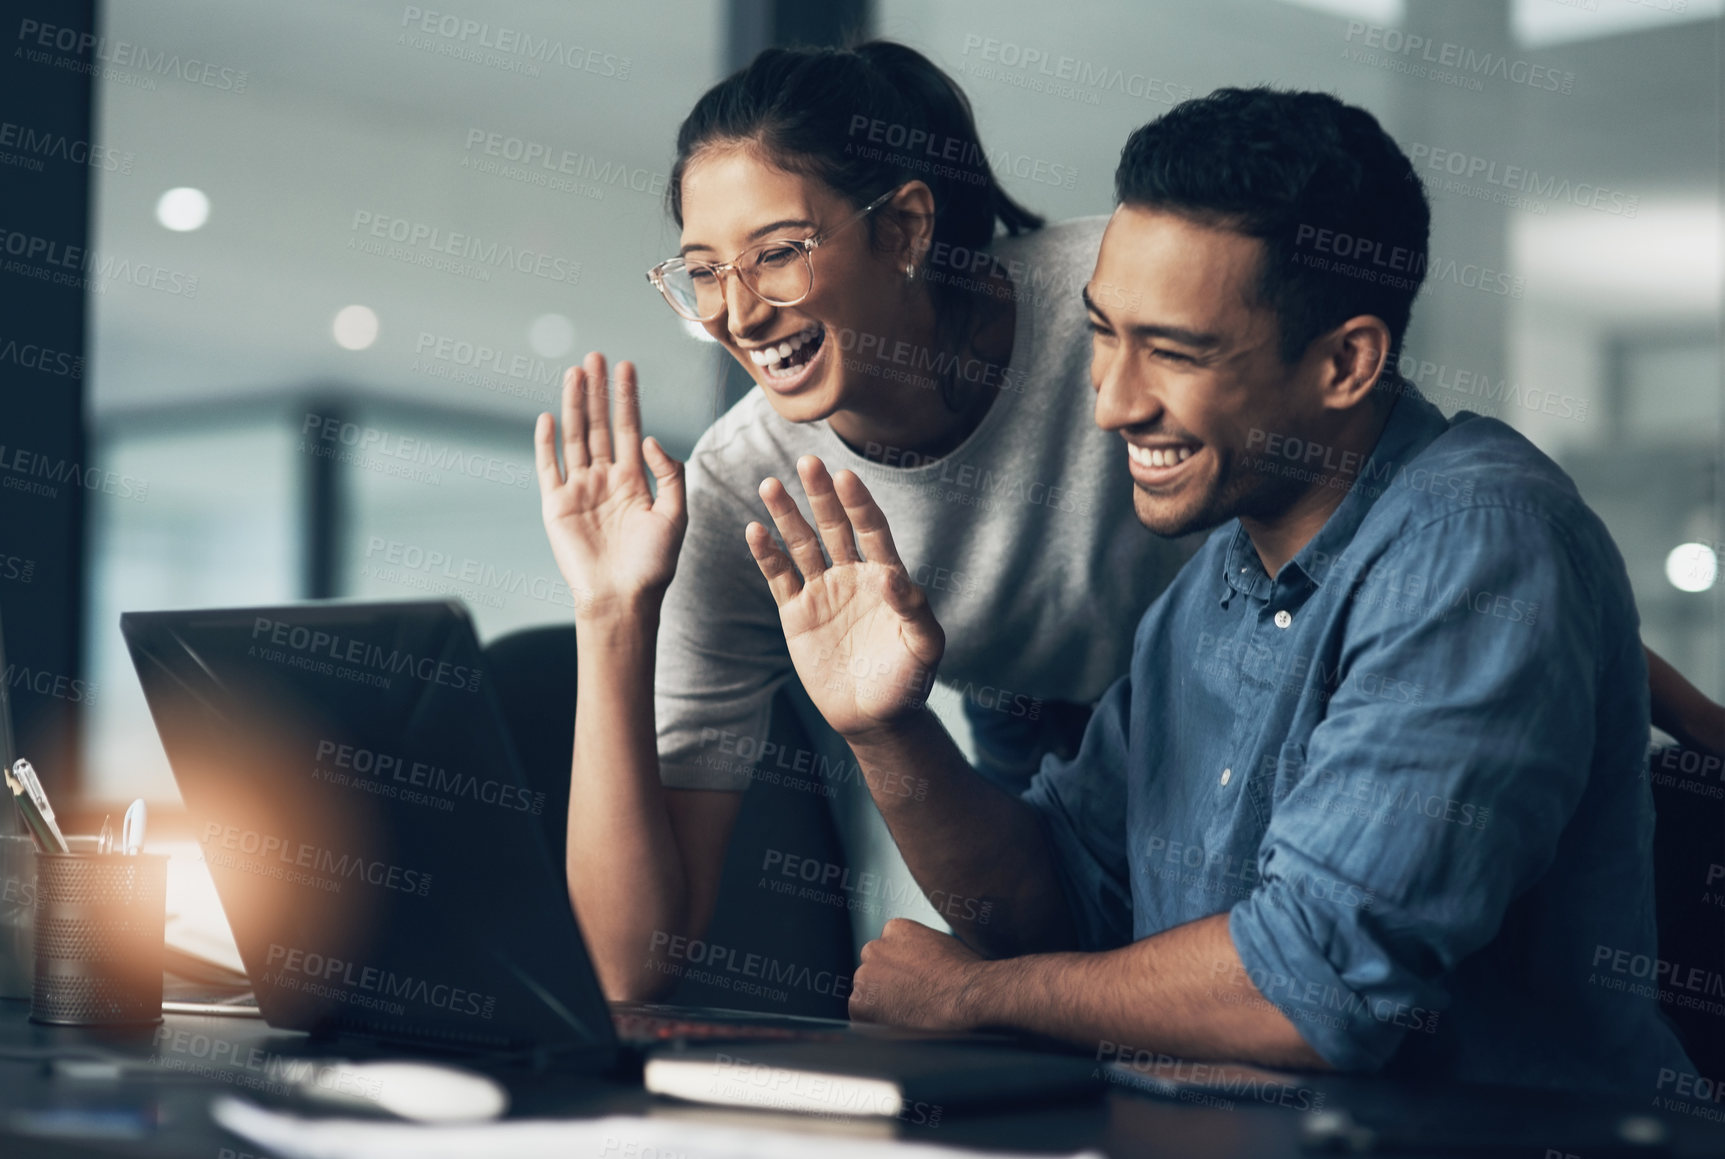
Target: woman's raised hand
[
  {"x": 615, "y": 542},
  {"x": 861, "y": 634}
]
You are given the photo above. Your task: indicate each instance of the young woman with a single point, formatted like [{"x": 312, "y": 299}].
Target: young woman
[{"x": 839, "y": 225}]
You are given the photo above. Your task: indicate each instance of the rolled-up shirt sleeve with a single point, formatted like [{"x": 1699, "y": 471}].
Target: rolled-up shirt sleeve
[
  {"x": 1454, "y": 750},
  {"x": 1082, "y": 807}
]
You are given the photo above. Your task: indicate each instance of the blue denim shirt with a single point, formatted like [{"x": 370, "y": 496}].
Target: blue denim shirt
[{"x": 1409, "y": 766}]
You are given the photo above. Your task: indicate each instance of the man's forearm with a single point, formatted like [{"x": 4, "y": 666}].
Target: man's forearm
[
  {"x": 978, "y": 852},
  {"x": 1182, "y": 992}
]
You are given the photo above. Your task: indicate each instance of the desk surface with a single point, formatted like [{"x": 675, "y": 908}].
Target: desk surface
[{"x": 205, "y": 1056}]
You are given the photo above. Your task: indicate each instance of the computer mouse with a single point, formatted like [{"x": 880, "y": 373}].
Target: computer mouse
[{"x": 421, "y": 1091}]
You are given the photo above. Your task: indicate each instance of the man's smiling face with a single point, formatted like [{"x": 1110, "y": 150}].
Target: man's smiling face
[{"x": 1185, "y": 364}]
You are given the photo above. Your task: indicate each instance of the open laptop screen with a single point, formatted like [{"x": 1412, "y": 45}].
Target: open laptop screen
[{"x": 377, "y": 849}]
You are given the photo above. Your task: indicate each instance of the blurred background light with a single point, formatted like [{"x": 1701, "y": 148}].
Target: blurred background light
[
  {"x": 355, "y": 327},
  {"x": 1692, "y": 567},
  {"x": 184, "y": 209},
  {"x": 1542, "y": 23}
]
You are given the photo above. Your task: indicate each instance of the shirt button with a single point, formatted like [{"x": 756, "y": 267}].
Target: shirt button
[
  {"x": 1226, "y": 775},
  {"x": 1283, "y": 619}
]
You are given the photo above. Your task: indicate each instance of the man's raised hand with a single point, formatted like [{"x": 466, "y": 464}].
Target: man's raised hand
[{"x": 860, "y": 633}]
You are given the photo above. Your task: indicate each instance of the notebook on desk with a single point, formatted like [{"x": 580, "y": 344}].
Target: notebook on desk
[{"x": 374, "y": 841}]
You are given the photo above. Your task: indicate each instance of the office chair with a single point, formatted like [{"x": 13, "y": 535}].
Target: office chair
[
  {"x": 533, "y": 675},
  {"x": 1689, "y": 893}
]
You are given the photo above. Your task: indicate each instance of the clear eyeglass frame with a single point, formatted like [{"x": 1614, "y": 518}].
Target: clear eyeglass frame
[{"x": 670, "y": 268}]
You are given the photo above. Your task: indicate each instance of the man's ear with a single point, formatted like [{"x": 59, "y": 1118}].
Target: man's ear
[
  {"x": 1353, "y": 358},
  {"x": 912, "y": 212}
]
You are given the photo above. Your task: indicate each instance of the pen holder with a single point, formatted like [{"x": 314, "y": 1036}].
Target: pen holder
[
  {"x": 99, "y": 927},
  {"x": 17, "y": 916}
]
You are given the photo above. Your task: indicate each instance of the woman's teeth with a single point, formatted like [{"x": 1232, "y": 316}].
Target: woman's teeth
[
  {"x": 780, "y": 361},
  {"x": 1158, "y": 456}
]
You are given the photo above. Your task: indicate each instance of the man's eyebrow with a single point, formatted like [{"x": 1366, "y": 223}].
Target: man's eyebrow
[
  {"x": 756, "y": 235},
  {"x": 1185, "y": 337}
]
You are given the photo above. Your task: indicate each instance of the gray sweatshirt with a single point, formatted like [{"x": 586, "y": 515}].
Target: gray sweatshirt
[{"x": 1023, "y": 536}]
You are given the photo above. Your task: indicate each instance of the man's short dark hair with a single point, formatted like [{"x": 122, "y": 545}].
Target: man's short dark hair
[{"x": 1342, "y": 216}]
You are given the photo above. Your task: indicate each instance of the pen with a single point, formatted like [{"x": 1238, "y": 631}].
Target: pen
[
  {"x": 132, "y": 828},
  {"x": 48, "y": 839},
  {"x": 26, "y": 774},
  {"x": 105, "y": 840}
]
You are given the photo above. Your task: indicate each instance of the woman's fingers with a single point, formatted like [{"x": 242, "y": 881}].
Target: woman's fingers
[
  {"x": 574, "y": 418},
  {"x": 865, "y": 515},
  {"x": 799, "y": 537},
  {"x": 904, "y": 596},
  {"x": 628, "y": 416},
  {"x": 587, "y": 437},
  {"x": 830, "y": 518},
  {"x": 668, "y": 498},
  {"x": 598, "y": 407},
  {"x": 545, "y": 454},
  {"x": 781, "y": 576}
]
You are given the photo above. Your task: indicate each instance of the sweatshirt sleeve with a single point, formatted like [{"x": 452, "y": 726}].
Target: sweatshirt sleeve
[{"x": 721, "y": 650}]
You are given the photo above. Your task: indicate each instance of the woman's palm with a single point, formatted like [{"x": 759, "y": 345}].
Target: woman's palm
[{"x": 612, "y": 538}]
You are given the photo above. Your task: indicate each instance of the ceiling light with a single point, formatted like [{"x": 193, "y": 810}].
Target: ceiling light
[
  {"x": 1692, "y": 567},
  {"x": 184, "y": 209},
  {"x": 355, "y": 327}
]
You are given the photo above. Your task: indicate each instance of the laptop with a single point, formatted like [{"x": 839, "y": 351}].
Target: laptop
[
  {"x": 379, "y": 855},
  {"x": 375, "y": 844}
]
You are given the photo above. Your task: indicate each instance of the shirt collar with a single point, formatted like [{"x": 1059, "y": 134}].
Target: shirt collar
[{"x": 1412, "y": 424}]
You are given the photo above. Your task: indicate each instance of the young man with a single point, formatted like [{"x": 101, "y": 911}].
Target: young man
[{"x": 1370, "y": 796}]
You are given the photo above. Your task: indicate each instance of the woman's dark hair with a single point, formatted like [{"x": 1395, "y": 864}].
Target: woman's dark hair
[
  {"x": 862, "y": 121},
  {"x": 1341, "y": 213}
]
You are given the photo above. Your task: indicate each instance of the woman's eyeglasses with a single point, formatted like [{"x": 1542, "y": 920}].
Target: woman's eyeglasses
[{"x": 779, "y": 273}]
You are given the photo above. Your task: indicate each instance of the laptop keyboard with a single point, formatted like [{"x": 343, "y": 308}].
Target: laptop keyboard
[{"x": 638, "y": 1029}]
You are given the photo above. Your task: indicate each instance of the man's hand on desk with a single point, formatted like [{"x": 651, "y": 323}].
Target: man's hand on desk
[
  {"x": 1183, "y": 992},
  {"x": 914, "y": 976}
]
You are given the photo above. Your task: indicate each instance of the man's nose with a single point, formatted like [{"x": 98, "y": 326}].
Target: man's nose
[{"x": 1124, "y": 397}]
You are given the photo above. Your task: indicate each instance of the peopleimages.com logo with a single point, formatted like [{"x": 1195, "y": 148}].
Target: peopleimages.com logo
[
  {"x": 316, "y": 859},
  {"x": 350, "y": 982},
  {"x": 484, "y": 43},
  {"x": 315, "y": 643}
]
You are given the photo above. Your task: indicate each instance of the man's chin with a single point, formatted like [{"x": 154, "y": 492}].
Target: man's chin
[{"x": 1171, "y": 519}]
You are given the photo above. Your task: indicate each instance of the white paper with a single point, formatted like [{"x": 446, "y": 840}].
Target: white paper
[{"x": 615, "y": 1137}]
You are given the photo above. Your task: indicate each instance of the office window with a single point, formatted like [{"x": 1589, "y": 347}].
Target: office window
[
  {"x": 457, "y": 517},
  {"x": 351, "y": 216},
  {"x": 204, "y": 512}
]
